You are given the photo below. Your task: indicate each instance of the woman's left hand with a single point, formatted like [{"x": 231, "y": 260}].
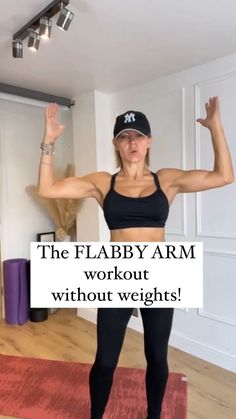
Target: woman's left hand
[{"x": 213, "y": 113}]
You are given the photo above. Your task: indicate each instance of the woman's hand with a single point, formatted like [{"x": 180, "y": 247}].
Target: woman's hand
[
  {"x": 213, "y": 113},
  {"x": 53, "y": 129}
]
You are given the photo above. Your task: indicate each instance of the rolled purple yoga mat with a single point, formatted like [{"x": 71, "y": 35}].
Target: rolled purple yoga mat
[{"x": 16, "y": 291}]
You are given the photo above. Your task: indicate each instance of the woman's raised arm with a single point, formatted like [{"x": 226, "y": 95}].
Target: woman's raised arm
[
  {"x": 71, "y": 187},
  {"x": 222, "y": 173}
]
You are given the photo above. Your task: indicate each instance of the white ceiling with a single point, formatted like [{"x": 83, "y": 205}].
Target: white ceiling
[{"x": 113, "y": 44}]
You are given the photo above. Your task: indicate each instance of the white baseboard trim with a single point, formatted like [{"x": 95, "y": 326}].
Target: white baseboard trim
[
  {"x": 185, "y": 344},
  {"x": 205, "y": 352},
  {"x": 89, "y": 314}
]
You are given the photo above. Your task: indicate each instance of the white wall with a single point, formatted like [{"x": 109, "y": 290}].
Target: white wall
[
  {"x": 21, "y": 132},
  {"x": 93, "y": 148},
  {"x": 172, "y": 105}
]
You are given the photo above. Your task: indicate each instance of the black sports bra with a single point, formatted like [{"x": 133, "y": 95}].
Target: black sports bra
[{"x": 121, "y": 211}]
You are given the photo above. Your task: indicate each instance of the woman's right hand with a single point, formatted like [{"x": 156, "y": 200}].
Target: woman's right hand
[{"x": 53, "y": 129}]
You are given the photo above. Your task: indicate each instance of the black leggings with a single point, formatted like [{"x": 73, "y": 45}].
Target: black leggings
[{"x": 111, "y": 327}]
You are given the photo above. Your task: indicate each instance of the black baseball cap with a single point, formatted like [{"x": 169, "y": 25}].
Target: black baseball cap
[{"x": 132, "y": 120}]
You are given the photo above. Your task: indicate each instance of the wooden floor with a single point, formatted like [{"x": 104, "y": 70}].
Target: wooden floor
[{"x": 64, "y": 336}]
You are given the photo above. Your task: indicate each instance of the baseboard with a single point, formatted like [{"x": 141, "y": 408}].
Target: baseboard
[
  {"x": 89, "y": 314},
  {"x": 185, "y": 344},
  {"x": 205, "y": 352}
]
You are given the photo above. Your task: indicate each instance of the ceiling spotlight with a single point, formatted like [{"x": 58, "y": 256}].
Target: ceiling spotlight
[
  {"x": 34, "y": 39},
  {"x": 17, "y": 48},
  {"x": 45, "y": 27},
  {"x": 41, "y": 21},
  {"x": 65, "y": 18}
]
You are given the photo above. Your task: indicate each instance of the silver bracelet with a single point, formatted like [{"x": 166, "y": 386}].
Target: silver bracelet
[{"x": 48, "y": 148}]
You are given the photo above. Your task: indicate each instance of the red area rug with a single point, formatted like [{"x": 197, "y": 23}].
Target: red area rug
[{"x": 32, "y": 388}]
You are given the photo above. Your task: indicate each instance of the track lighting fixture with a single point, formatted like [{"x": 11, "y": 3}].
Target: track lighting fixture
[
  {"x": 65, "y": 19},
  {"x": 41, "y": 21},
  {"x": 34, "y": 40},
  {"x": 17, "y": 48},
  {"x": 45, "y": 27}
]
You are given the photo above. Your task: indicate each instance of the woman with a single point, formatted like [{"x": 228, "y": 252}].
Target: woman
[{"x": 136, "y": 204}]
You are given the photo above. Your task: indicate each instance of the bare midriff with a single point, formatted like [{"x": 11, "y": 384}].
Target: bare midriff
[{"x": 140, "y": 234}]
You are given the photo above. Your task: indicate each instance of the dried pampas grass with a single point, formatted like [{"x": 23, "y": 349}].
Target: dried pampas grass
[{"x": 62, "y": 211}]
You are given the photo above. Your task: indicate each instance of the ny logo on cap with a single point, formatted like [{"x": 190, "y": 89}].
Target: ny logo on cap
[{"x": 129, "y": 117}]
